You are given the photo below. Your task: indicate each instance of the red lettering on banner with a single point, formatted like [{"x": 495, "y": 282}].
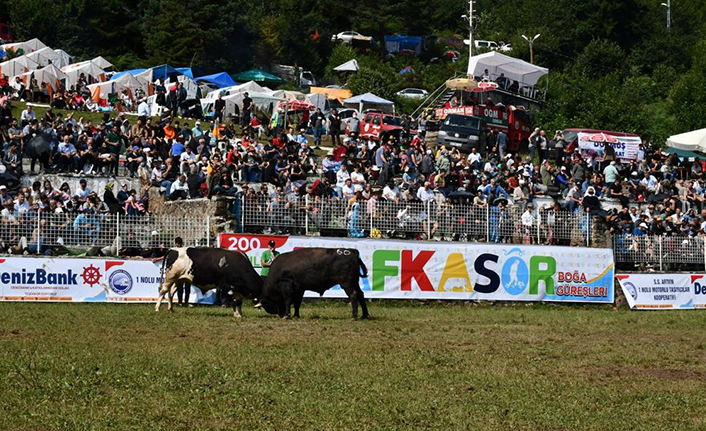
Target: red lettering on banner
[{"x": 413, "y": 268}]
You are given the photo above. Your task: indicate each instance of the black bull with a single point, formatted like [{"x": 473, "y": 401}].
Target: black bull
[
  {"x": 315, "y": 269},
  {"x": 207, "y": 268}
]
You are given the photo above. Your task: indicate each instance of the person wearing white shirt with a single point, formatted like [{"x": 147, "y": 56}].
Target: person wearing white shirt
[
  {"x": 357, "y": 179},
  {"x": 391, "y": 192},
  {"x": 425, "y": 193},
  {"x": 180, "y": 189},
  {"x": 187, "y": 158},
  {"x": 474, "y": 159},
  {"x": 528, "y": 221},
  {"x": 348, "y": 189},
  {"x": 143, "y": 109},
  {"x": 650, "y": 183},
  {"x": 27, "y": 115},
  {"x": 341, "y": 177}
]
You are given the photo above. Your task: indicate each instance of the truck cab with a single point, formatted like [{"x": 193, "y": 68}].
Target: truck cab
[{"x": 378, "y": 126}]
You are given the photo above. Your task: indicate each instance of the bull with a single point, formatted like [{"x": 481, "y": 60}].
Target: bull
[
  {"x": 315, "y": 269},
  {"x": 210, "y": 268}
]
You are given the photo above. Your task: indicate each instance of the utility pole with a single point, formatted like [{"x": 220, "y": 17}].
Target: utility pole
[
  {"x": 531, "y": 45},
  {"x": 668, "y": 5},
  {"x": 469, "y": 18}
]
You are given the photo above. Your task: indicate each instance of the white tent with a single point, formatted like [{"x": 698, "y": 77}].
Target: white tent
[
  {"x": 102, "y": 62},
  {"x": 525, "y": 73},
  {"x": 250, "y": 86},
  {"x": 368, "y": 99},
  {"x": 134, "y": 83},
  {"x": 64, "y": 58},
  {"x": 102, "y": 90},
  {"x": 319, "y": 101},
  {"x": 690, "y": 141},
  {"x": 73, "y": 72},
  {"x": 18, "y": 66},
  {"x": 348, "y": 66},
  {"x": 45, "y": 56},
  {"x": 289, "y": 95},
  {"x": 27, "y": 46},
  {"x": 262, "y": 100},
  {"x": 49, "y": 74}
]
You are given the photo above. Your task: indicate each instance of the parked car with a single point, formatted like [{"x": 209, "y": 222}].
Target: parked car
[
  {"x": 493, "y": 46},
  {"x": 463, "y": 132},
  {"x": 380, "y": 126},
  {"x": 413, "y": 93},
  {"x": 345, "y": 36}
]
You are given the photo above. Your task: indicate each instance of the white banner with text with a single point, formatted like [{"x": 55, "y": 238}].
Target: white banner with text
[{"x": 664, "y": 291}]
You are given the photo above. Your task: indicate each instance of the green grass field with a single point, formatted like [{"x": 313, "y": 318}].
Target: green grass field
[{"x": 413, "y": 366}]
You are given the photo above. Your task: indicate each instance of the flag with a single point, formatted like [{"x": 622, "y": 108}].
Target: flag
[{"x": 315, "y": 36}]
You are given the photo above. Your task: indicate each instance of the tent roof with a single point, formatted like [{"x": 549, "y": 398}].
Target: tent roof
[
  {"x": 368, "y": 98},
  {"x": 689, "y": 141},
  {"x": 102, "y": 62},
  {"x": 164, "y": 71},
  {"x": 132, "y": 72},
  {"x": 130, "y": 81},
  {"x": 339, "y": 94},
  {"x": 186, "y": 71},
  {"x": 54, "y": 71},
  {"x": 348, "y": 66},
  {"x": 513, "y": 68},
  {"x": 221, "y": 80},
  {"x": 257, "y": 75},
  {"x": 683, "y": 153}
]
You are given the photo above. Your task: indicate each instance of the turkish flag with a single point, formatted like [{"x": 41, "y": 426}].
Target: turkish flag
[{"x": 315, "y": 36}]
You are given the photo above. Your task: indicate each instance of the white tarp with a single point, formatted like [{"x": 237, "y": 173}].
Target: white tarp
[
  {"x": 690, "y": 141},
  {"x": 264, "y": 101},
  {"x": 18, "y": 66},
  {"x": 664, "y": 291},
  {"x": 27, "y": 46},
  {"x": 319, "y": 101},
  {"x": 289, "y": 95},
  {"x": 438, "y": 270},
  {"x": 250, "y": 87},
  {"x": 348, "y": 66},
  {"x": 88, "y": 68},
  {"x": 102, "y": 62},
  {"x": 64, "y": 58},
  {"x": 45, "y": 56},
  {"x": 133, "y": 83},
  {"x": 51, "y": 75},
  {"x": 519, "y": 70}
]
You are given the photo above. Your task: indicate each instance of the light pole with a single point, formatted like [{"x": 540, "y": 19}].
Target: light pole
[
  {"x": 668, "y": 5},
  {"x": 469, "y": 18},
  {"x": 531, "y": 45}
]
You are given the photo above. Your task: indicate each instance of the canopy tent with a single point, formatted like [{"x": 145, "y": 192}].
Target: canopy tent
[
  {"x": 407, "y": 69},
  {"x": 103, "y": 90},
  {"x": 50, "y": 75},
  {"x": 339, "y": 94},
  {"x": 525, "y": 73},
  {"x": 348, "y": 66},
  {"x": 368, "y": 99},
  {"x": 220, "y": 80},
  {"x": 684, "y": 154},
  {"x": 102, "y": 63},
  {"x": 45, "y": 56},
  {"x": 689, "y": 141},
  {"x": 397, "y": 43},
  {"x": 18, "y": 66},
  {"x": 264, "y": 101},
  {"x": 186, "y": 71},
  {"x": 27, "y": 46},
  {"x": 163, "y": 71},
  {"x": 251, "y": 86},
  {"x": 134, "y": 83},
  {"x": 88, "y": 68},
  {"x": 64, "y": 58},
  {"x": 133, "y": 72},
  {"x": 258, "y": 76},
  {"x": 318, "y": 101},
  {"x": 289, "y": 95}
]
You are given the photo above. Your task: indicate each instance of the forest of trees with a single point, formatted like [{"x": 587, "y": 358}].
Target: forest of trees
[{"x": 613, "y": 64}]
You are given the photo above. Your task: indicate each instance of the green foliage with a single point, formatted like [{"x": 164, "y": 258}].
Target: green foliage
[{"x": 380, "y": 81}]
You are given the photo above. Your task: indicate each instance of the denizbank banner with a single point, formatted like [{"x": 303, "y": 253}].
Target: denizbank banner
[
  {"x": 664, "y": 291},
  {"x": 437, "y": 270}
]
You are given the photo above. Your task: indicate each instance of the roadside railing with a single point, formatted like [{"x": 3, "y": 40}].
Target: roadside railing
[{"x": 659, "y": 253}]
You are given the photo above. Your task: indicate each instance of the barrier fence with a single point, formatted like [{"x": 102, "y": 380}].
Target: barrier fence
[
  {"x": 430, "y": 220},
  {"x": 36, "y": 232},
  {"x": 659, "y": 253}
]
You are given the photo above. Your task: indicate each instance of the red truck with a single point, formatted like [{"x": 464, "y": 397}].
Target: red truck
[{"x": 378, "y": 126}]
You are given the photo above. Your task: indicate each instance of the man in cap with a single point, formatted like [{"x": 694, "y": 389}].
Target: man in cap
[{"x": 267, "y": 257}]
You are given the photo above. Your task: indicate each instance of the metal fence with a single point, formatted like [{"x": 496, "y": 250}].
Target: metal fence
[
  {"x": 35, "y": 232},
  {"x": 659, "y": 253},
  {"x": 430, "y": 220}
]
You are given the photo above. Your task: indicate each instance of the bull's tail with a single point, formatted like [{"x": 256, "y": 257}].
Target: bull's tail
[
  {"x": 363, "y": 268},
  {"x": 161, "y": 271}
]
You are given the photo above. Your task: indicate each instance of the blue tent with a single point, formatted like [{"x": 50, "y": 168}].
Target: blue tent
[
  {"x": 220, "y": 80},
  {"x": 186, "y": 71},
  {"x": 132, "y": 72},
  {"x": 164, "y": 71},
  {"x": 397, "y": 43}
]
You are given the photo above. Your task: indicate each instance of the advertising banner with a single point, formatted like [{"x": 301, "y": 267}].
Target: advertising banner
[
  {"x": 664, "y": 291},
  {"x": 593, "y": 145},
  {"x": 436, "y": 270},
  {"x": 82, "y": 280}
]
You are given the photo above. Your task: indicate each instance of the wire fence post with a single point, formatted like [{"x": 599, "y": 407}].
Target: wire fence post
[
  {"x": 208, "y": 231},
  {"x": 539, "y": 226},
  {"x": 306, "y": 214},
  {"x": 487, "y": 222},
  {"x": 660, "y": 254},
  {"x": 428, "y": 220},
  {"x": 372, "y": 213},
  {"x": 39, "y": 232},
  {"x": 118, "y": 238},
  {"x": 242, "y": 212}
]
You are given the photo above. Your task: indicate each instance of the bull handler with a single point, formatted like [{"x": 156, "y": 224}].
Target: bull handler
[{"x": 268, "y": 256}]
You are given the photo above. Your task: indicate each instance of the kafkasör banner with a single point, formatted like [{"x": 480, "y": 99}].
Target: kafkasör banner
[
  {"x": 664, "y": 291},
  {"x": 433, "y": 270}
]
